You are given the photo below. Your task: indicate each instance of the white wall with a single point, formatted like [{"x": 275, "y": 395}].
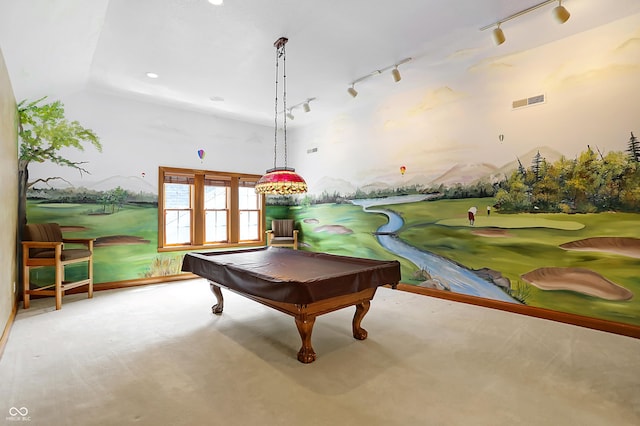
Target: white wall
[
  {"x": 138, "y": 137},
  {"x": 8, "y": 194}
]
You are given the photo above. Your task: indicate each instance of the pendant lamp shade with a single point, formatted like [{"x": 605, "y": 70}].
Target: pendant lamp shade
[{"x": 281, "y": 181}]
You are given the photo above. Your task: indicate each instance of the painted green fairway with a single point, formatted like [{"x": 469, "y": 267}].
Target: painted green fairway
[
  {"x": 521, "y": 221},
  {"x": 111, "y": 262},
  {"x": 524, "y": 243},
  {"x": 531, "y": 241}
]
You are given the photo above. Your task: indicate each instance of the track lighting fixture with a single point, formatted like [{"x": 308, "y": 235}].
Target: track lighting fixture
[
  {"x": 560, "y": 13},
  {"x": 498, "y": 36},
  {"x": 305, "y": 105},
  {"x": 395, "y": 73}
]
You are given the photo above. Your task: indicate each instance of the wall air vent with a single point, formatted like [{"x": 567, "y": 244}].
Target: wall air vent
[
  {"x": 533, "y": 100},
  {"x": 312, "y": 150}
]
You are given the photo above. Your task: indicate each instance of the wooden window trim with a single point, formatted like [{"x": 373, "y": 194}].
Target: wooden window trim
[{"x": 198, "y": 226}]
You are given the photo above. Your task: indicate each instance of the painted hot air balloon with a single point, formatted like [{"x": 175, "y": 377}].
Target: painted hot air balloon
[
  {"x": 402, "y": 170},
  {"x": 201, "y": 154}
]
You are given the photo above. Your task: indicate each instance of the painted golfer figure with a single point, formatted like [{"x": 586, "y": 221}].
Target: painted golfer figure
[{"x": 472, "y": 215}]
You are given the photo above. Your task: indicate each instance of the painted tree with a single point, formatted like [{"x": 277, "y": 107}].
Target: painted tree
[
  {"x": 515, "y": 197},
  {"x": 44, "y": 131},
  {"x": 589, "y": 183},
  {"x": 521, "y": 169},
  {"x": 116, "y": 198},
  {"x": 616, "y": 168},
  {"x": 545, "y": 194},
  {"x": 536, "y": 166},
  {"x": 634, "y": 148}
]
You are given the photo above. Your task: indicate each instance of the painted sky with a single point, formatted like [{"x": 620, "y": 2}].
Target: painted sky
[{"x": 591, "y": 82}]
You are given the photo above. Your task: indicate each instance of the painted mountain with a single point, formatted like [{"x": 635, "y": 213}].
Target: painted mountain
[
  {"x": 467, "y": 174},
  {"x": 549, "y": 154},
  {"x": 332, "y": 186},
  {"x": 132, "y": 184},
  {"x": 464, "y": 174}
]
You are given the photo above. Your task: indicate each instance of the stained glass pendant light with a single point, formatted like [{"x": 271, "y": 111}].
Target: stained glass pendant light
[{"x": 281, "y": 180}]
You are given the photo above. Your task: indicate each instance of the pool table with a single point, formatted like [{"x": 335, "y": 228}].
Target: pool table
[{"x": 299, "y": 283}]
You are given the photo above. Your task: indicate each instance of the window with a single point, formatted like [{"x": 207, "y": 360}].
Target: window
[
  {"x": 216, "y": 210},
  {"x": 204, "y": 209},
  {"x": 177, "y": 208},
  {"x": 249, "y": 209}
]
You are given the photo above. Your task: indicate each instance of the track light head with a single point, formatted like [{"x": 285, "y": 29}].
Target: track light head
[
  {"x": 560, "y": 13},
  {"x": 498, "y": 36},
  {"x": 306, "y": 107},
  {"x": 290, "y": 115},
  {"x": 352, "y": 91},
  {"x": 396, "y": 74}
]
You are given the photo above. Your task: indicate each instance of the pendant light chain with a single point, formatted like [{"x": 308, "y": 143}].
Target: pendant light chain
[
  {"x": 284, "y": 101},
  {"x": 275, "y": 124},
  {"x": 280, "y": 52}
]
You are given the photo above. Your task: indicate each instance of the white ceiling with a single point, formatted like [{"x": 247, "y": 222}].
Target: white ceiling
[{"x": 200, "y": 51}]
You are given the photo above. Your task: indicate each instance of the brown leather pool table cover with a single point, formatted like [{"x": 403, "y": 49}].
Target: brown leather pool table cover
[{"x": 291, "y": 276}]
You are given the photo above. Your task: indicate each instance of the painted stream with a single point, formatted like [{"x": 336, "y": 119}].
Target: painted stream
[{"x": 459, "y": 278}]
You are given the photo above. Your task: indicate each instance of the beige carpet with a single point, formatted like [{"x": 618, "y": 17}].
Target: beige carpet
[{"x": 156, "y": 355}]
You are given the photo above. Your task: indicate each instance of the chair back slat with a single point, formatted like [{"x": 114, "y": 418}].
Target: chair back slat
[
  {"x": 49, "y": 232},
  {"x": 282, "y": 227}
]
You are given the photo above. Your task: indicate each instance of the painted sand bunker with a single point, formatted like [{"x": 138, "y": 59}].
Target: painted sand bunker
[
  {"x": 619, "y": 245},
  {"x": 579, "y": 280},
  {"x": 491, "y": 232},
  {"x": 333, "y": 229}
]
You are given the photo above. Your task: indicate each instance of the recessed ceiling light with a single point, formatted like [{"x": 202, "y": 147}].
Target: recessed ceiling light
[
  {"x": 152, "y": 75},
  {"x": 216, "y": 2}
]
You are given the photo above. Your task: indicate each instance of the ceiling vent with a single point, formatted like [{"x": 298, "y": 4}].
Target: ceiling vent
[
  {"x": 312, "y": 150},
  {"x": 533, "y": 100}
]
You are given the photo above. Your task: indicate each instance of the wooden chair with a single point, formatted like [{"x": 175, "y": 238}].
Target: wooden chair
[
  {"x": 283, "y": 234},
  {"x": 43, "y": 245}
]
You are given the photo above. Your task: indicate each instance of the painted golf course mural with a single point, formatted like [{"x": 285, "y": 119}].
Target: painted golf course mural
[
  {"x": 561, "y": 249},
  {"x": 540, "y": 238},
  {"x": 535, "y": 206}
]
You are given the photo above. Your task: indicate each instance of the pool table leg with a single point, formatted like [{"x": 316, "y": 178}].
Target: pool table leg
[
  {"x": 361, "y": 310},
  {"x": 217, "y": 308},
  {"x": 306, "y": 354}
]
